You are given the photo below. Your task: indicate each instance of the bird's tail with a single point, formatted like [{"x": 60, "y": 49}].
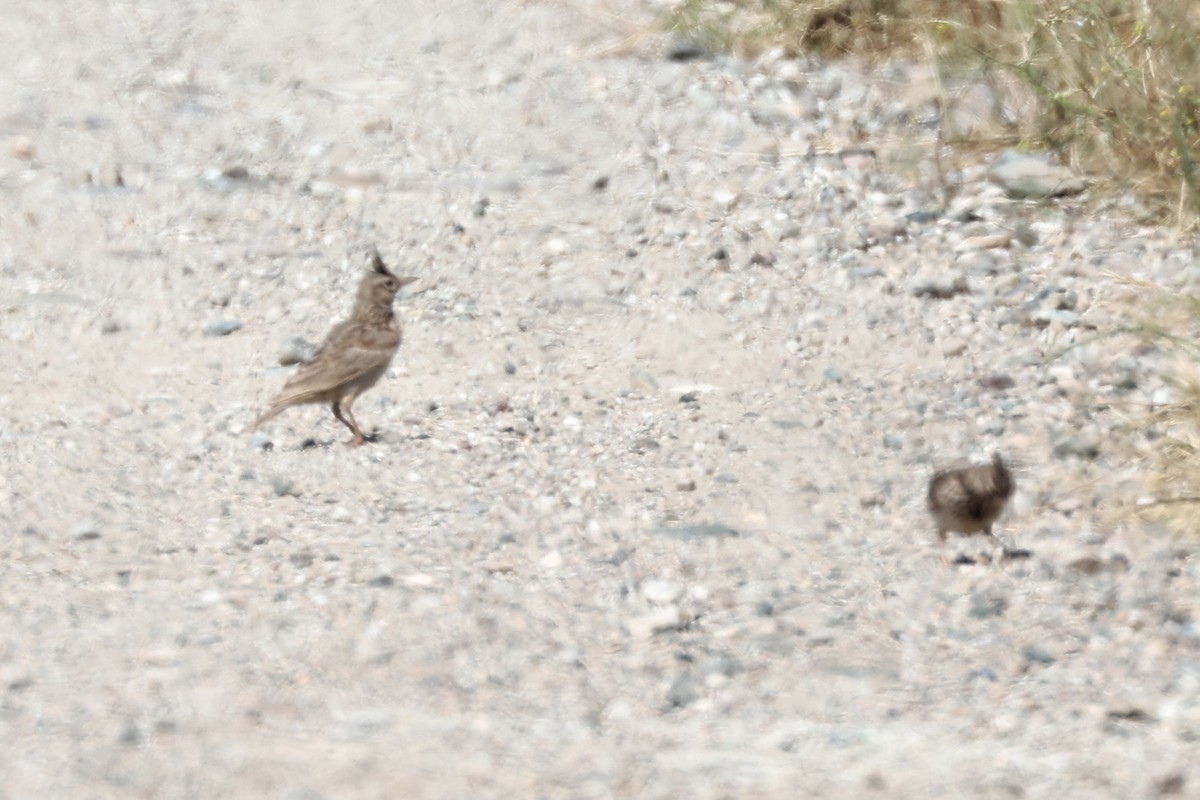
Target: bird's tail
[{"x": 268, "y": 415}]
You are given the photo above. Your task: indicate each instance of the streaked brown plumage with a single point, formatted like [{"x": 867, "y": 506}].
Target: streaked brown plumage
[
  {"x": 969, "y": 499},
  {"x": 353, "y": 356}
]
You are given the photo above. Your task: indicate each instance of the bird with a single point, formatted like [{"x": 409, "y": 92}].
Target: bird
[
  {"x": 354, "y": 355},
  {"x": 967, "y": 500}
]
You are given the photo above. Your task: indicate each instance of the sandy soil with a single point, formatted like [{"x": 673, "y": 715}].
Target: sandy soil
[{"x": 646, "y": 514}]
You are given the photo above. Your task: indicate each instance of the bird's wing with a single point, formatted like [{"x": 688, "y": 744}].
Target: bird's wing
[
  {"x": 333, "y": 368},
  {"x": 979, "y": 481},
  {"x": 947, "y": 490},
  {"x": 348, "y": 352}
]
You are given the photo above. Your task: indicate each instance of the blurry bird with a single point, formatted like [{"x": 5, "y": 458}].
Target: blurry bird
[
  {"x": 969, "y": 499},
  {"x": 354, "y": 355}
]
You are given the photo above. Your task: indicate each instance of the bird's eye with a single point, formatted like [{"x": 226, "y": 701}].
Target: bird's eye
[{"x": 391, "y": 284}]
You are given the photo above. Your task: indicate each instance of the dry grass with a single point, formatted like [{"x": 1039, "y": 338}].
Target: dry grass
[
  {"x": 1111, "y": 85},
  {"x": 1171, "y": 454}
]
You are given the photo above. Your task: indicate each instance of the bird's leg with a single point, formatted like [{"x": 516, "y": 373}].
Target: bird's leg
[
  {"x": 349, "y": 423},
  {"x": 1004, "y": 549},
  {"x": 352, "y": 424},
  {"x": 337, "y": 412}
]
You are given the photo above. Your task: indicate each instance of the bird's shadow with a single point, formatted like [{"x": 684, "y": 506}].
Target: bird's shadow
[{"x": 324, "y": 444}]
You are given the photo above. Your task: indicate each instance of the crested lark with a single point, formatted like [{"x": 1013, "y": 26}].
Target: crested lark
[
  {"x": 968, "y": 500},
  {"x": 353, "y": 356}
]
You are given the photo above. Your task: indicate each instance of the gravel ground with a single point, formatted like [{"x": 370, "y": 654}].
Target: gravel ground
[{"x": 646, "y": 516}]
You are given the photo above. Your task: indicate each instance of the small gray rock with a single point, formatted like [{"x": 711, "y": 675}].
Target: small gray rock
[
  {"x": 682, "y": 691},
  {"x": 222, "y": 327},
  {"x": 884, "y": 230},
  {"x": 1036, "y": 654},
  {"x": 658, "y": 621},
  {"x": 129, "y": 735},
  {"x": 1033, "y": 175},
  {"x": 645, "y": 445},
  {"x": 997, "y": 382},
  {"x": 296, "y": 350},
  {"x": 1131, "y": 710},
  {"x": 1043, "y": 317},
  {"x": 260, "y": 441},
  {"x": 687, "y": 48},
  {"x": 863, "y": 273},
  {"x": 984, "y": 605},
  {"x": 284, "y": 486},
  {"x": 85, "y": 530},
  {"x": 1024, "y": 233},
  {"x": 940, "y": 287},
  {"x": 782, "y": 230},
  {"x": 1085, "y": 444},
  {"x": 702, "y": 531},
  {"x": 661, "y": 592}
]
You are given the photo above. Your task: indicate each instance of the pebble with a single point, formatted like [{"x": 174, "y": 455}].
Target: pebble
[
  {"x": 1090, "y": 564},
  {"x": 686, "y": 48},
  {"x": 1170, "y": 784},
  {"x": 1084, "y": 444},
  {"x": 661, "y": 592},
  {"x": 21, "y": 147},
  {"x": 665, "y": 619},
  {"x": 985, "y": 242},
  {"x": 1025, "y": 234},
  {"x": 283, "y": 486},
  {"x": 222, "y": 327},
  {"x": 702, "y": 531},
  {"x": 1033, "y": 175},
  {"x": 997, "y": 382},
  {"x": 940, "y": 286},
  {"x": 85, "y": 530},
  {"x": 1036, "y": 654},
  {"x": 953, "y": 346},
  {"x": 296, "y": 350},
  {"x": 1130, "y": 710},
  {"x": 683, "y": 691},
  {"x": 885, "y": 230},
  {"x": 419, "y": 580},
  {"x": 259, "y": 441},
  {"x": 985, "y": 605}
]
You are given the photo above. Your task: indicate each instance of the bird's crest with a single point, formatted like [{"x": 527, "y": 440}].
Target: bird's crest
[{"x": 377, "y": 264}]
